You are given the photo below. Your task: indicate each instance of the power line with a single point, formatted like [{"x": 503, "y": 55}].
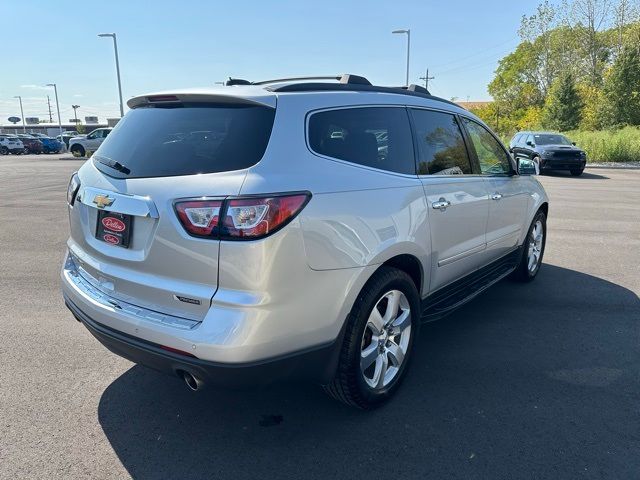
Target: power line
[{"x": 480, "y": 52}]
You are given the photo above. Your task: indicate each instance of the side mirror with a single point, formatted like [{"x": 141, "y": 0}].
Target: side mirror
[
  {"x": 531, "y": 144},
  {"x": 526, "y": 167},
  {"x": 573, "y": 143}
]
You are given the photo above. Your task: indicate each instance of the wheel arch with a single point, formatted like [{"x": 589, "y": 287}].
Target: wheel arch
[
  {"x": 411, "y": 265},
  {"x": 544, "y": 206}
]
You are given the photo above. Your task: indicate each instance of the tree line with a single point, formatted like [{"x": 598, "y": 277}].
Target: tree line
[{"x": 577, "y": 67}]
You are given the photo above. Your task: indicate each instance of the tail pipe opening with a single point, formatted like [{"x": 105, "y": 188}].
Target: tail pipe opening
[{"x": 193, "y": 383}]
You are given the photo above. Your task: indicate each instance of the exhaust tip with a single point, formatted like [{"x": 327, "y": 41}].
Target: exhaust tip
[{"x": 193, "y": 383}]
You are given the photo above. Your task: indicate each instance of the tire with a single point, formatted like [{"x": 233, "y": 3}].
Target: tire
[
  {"x": 525, "y": 271},
  {"x": 78, "y": 151},
  {"x": 577, "y": 173},
  {"x": 386, "y": 353},
  {"x": 4, "y": 151}
]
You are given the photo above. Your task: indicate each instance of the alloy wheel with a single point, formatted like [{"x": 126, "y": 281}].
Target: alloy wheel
[
  {"x": 535, "y": 246},
  {"x": 385, "y": 340}
]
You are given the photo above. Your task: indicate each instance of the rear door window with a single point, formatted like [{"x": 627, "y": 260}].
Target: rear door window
[
  {"x": 441, "y": 147},
  {"x": 377, "y": 137},
  {"x": 185, "y": 139}
]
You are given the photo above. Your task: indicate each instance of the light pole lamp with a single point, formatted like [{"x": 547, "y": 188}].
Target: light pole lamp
[
  {"x": 24, "y": 127},
  {"x": 55, "y": 89},
  {"x": 408, "y": 32},
  {"x": 115, "y": 48}
]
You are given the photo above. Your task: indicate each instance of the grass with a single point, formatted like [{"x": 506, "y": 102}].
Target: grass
[{"x": 622, "y": 145}]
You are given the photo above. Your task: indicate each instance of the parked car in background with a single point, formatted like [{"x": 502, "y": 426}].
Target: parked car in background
[
  {"x": 79, "y": 146},
  {"x": 66, "y": 136},
  {"x": 31, "y": 143},
  {"x": 549, "y": 151},
  {"x": 285, "y": 229},
  {"x": 51, "y": 145},
  {"x": 10, "y": 144}
]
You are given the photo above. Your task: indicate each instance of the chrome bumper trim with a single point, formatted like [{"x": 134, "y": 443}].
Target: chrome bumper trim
[{"x": 92, "y": 294}]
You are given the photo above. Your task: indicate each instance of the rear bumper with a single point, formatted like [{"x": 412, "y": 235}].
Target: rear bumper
[{"x": 315, "y": 365}]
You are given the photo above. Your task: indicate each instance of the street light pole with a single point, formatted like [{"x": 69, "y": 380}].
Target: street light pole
[
  {"x": 115, "y": 48},
  {"x": 24, "y": 127},
  {"x": 55, "y": 89},
  {"x": 408, "y": 32},
  {"x": 75, "y": 113}
]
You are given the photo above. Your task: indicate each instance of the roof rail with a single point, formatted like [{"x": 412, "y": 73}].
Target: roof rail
[
  {"x": 294, "y": 79},
  {"x": 346, "y": 83},
  {"x": 417, "y": 88},
  {"x": 346, "y": 78},
  {"x": 417, "y": 91},
  {"x": 237, "y": 81}
]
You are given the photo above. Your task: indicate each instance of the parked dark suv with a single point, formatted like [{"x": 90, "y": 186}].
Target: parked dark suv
[{"x": 549, "y": 151}]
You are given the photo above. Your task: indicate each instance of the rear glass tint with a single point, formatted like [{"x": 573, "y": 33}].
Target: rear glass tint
[
  {"x": 185, "y": 140},
  {"x": 378, "y": 137}
]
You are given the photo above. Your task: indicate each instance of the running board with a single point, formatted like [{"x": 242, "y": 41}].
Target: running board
[{"x": 448, "y": 298}]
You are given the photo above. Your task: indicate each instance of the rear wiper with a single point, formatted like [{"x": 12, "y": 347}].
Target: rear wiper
[{"x": 113, "y": 164}]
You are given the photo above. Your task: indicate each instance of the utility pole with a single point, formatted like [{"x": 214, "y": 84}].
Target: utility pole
[
  {"x": 426, "y": 79},
  {"x": 75, "y": 113},
  {"x": 55, "y": 89},
  {"x": 24, "y": 128},
  {"x": 50, "y": 115}
]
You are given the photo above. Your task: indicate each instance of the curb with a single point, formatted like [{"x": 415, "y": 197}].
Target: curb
[{"x": 615, "y": 167}]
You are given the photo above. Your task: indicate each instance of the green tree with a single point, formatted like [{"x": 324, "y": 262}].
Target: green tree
[
  {"x": 622, "y": 89},
  {"x": 563, "y": 107}
]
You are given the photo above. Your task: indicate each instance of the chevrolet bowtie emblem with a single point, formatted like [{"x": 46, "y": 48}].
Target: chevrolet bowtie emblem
[{"x": 103, "y": 200}]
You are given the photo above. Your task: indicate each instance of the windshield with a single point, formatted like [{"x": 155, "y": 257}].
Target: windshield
[
  {"x": 548, "y": 139},
  {"x": 185, "y": 139}
]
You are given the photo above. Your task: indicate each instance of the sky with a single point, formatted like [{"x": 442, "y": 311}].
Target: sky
[{"x": 176, "y": 44}]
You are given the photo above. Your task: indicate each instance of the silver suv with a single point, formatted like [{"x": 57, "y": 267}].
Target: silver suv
[{"x": 293, "y": 229}]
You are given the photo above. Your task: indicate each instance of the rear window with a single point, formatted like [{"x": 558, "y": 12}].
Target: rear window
[
  {"x": 185, "y": 139},
  {"x": 378, "y": 137}
]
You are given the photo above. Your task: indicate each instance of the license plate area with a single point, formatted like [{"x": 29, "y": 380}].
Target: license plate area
[{"x": 114, "y": 228}]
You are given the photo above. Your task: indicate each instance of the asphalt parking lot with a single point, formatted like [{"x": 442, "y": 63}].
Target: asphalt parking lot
[{"x": 527, "y": 381}]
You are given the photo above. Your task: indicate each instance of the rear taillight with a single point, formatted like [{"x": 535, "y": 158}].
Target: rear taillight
[
  {"x": 247, "y": 218},
  {"x": 72, "y": 188},
  {"x": 199, "y": 217},
  {"x": 257, "y": 217}
]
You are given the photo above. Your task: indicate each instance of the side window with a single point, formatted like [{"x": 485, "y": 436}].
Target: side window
[
  {"x": 93, "y": 135},
  {"x": 441, "y": 149},
  {"x": 492, "y": 157},
  {"x": 517, "y": 139},
  {"x": 378, "y": 137}
]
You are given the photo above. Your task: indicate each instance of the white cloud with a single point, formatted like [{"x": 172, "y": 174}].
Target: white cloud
[{"x": 35, "y": 87}]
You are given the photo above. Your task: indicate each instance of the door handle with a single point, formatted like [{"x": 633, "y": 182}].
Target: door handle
[
  {"x": 441, "y": 204},
  {"x": 496, "y": 196}
]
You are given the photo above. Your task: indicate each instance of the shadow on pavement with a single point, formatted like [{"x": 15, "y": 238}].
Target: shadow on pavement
[
  {"x": 584, "y": 176},
  {"x": 526, "y": 381}
]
